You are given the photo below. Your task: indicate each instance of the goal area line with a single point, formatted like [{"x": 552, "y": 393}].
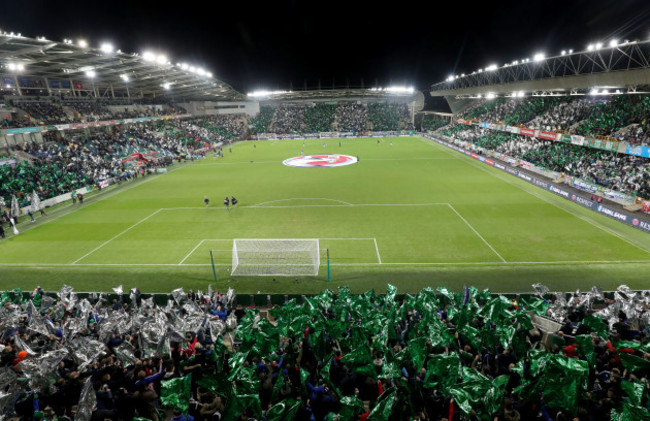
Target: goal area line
[{"x": 231, "y": 240}]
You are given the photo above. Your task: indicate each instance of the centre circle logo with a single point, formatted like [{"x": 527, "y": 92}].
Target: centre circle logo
[{"x": 311, "y": 161}]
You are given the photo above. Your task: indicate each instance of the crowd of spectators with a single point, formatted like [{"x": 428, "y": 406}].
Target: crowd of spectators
[
  {"x": 624, "y": 117},
  {"x": 40, "y": 111},
  {"x": 226, "y": 127},
  {"x": 389, "y": 117},
  {"x": 325, "y": 117},
  {"x": 288, "y": 119},
  {"x": 619, "y": 172},
  {"x": 62, "y": 164},
  {"x": 320, "y": 117},
  {"x": 430, "y": 124},
  {"x": 436, "y": 355},
  {"x": 351, "y": 117}
]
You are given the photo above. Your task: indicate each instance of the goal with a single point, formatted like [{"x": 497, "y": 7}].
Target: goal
[{"x": 275, "y": 257}]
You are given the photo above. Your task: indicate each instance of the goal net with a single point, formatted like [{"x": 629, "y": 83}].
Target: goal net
[{"x": 275, "y": 257}]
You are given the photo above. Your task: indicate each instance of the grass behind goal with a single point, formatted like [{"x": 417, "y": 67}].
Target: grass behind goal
[{"x": 410, "y": 212}]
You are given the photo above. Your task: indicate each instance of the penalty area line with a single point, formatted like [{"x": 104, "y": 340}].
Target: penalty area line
[
  {"x": 113, "y": 238},
  {"x": 556, "y": 263}
]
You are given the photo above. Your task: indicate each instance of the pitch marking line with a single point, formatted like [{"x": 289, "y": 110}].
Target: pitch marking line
[
  {"x": 377, "y": 248},
  {"x": 65, "y": 210},
  {"x": 359, "y": 205},
  {"x": 113, "y": 238},
  {"x": 510, "y": 181},
  {"x": 301, "y": 198},
  {"x": 327, "y": 239},
  {"x": 477, "y": 233},
  {"x": 555, "y": 263},
  {"x": 190, "y": 253}
]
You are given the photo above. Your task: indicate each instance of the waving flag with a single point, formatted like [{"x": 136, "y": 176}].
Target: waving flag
[
  {"x": 36, "y": 202},
  {"x": 15, "y": 209}
]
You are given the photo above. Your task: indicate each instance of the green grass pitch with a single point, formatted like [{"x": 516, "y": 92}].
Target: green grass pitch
[{"x": 411, "y": 213}]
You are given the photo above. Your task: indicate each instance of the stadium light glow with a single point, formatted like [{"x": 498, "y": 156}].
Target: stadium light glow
[
  {"x": 16, "y": 67},
  {"x": 563, "y": 52},
  {"x": 148, "y": 56},
  {"x": 570, "y": 51},
  {"x": 613, "y": 43},
  {"x": 594, "y": 91},
  {"x": 106, "y": 48},
  {"x": 490, "y": 95},
  {"x": 83, "y": 43},
  {"x": 124, "y": 77},
  {"x": 539, "y": 57},
  {"x": 491, "y": 67},
  {"x": 161, "y": 59},
  {"x": 258, "y": 94},
  {"x": 166, "y": 86},
  {"x": 599, "y": 45},
  {"x": 91, "y": 73},
  {"x": 208, "y": 75},
  {"x": 185, "y": 66}
]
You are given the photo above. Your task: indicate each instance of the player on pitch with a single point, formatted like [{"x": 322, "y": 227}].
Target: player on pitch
[{"x": 226, "y": 202}]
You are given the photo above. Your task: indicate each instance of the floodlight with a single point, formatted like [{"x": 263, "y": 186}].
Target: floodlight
[
  {"x": 490, "y": 96},
  {"x": 106, "y": 48},
  {"x": 563, "y": 52},
  {"x": 20, "y": 67},
  {"x": 590, "y": 47},
  {"x": 570, "y": 51},
  {"x": 11, "y": 67},
  {"x": 185, "y": 66},
  {"x": 192, "y": 69},
  {"x": 166, "y": 85},
  {"x": 208, "y": 74},
  {"x": 539, "y": 57},
  {"x": 491, "y": 67},
  {"x": 161, "y": 59},
  {"x": 148, "y": 56},
  {"x": 599, "y": 45},
  {"x": 605, "y": 91},
  {"x": 594, "y": 91},
  {"x": 124, "y": 77},
  {"x": 613, "y": 43},
  {"x": 83, "y": 43},
  {"x": 91, "y": 73}
]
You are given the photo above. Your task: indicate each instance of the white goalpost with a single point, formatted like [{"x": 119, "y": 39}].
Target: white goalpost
[{"x": 275, "y": 257}]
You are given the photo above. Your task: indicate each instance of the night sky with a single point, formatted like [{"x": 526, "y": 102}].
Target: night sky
[{"x": 292, "y": 44}]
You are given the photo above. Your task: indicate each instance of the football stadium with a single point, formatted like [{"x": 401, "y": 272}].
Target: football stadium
[{"x": 176, "y": 247}]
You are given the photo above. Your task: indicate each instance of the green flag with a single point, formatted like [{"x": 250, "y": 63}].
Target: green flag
[
  {"x": 285, "y": 410},
  {"x": 175, "y": 393},
  {"x": 384, "y": 407}
]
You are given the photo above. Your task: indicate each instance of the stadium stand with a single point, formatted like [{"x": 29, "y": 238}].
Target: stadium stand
[
  {"x": 62, "y": 164},
  {"x": 619, "y": 117},
  {"x": 434, "y": 355}
]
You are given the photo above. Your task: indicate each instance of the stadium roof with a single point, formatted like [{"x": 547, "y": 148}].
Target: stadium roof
[
  {"x": 624, "y": 66},
  {"x": 108, "y": 70},
  {"x": 356, "y": 93}
]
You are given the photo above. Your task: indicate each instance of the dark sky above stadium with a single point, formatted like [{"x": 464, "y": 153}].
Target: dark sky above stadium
[{"x": 292, "y": 44}]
